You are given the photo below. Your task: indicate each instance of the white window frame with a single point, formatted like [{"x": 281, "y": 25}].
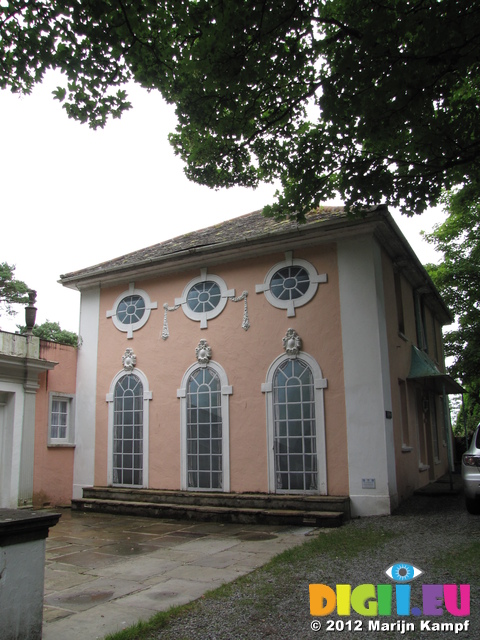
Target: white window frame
[
  {"x": 69, "y": 440},
  {"x": 135, "y": 326},
  {"x": 291, "y": 305},
  {"x": 110, "y": 398},
  {"x": 434, "y": 427},
  {"x": 226, "y": 391},
  {"x": 204, "y": 316},
  {"x": 320, "y": 383}
]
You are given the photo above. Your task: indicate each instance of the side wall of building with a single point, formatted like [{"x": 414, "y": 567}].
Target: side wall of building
[
  {"x": 421, "y": 452},
  {"x": 53, "y": 463}
]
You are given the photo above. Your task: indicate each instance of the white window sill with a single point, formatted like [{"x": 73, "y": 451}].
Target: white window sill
[{"x": 60, "y": 445}]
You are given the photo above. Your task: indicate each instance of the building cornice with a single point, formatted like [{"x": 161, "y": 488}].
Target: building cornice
[
  {"x": 274, "y": 238},
  {"x": 241, "y": 248},
  {"x": 23, "y": 369}
]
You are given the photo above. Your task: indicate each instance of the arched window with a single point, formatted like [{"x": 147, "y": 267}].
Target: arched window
[
  {"x": 204, "y": 428},
  {"x": 128, "y": 430},
  {"x": 296, "y": 427}
]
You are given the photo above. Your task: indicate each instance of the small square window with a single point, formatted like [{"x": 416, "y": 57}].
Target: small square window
[{"x": 61, "y": 420}]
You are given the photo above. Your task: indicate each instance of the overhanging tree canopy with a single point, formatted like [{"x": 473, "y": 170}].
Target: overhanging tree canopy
[
  {"x": 458, "y": 279},
  {"x": 371, "y": 100},
  {"x": 53, "y": 332},
  {"x": 12, "y": 291}
]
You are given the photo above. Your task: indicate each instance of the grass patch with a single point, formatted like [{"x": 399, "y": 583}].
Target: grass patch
[
  {"x": 255, "y": 590},
  {"x": 345, "y": 542},
  {"x": 461, "y": 563}
]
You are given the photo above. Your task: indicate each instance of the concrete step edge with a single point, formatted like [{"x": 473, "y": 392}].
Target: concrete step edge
[{"x": 207, "y": 508}]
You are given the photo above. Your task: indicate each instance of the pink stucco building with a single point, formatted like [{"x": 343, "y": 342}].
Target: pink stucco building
[
  {"x": 37, "y": 407},
  {"x": 264, "y": 356},
  {"x": 55, "y": 427}
]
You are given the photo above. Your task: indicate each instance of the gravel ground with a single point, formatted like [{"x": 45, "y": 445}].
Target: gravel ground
[{"x": 273, "y": 603}]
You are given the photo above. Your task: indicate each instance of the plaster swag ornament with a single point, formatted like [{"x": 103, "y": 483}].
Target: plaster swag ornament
[
  {"x": 203, "y": 352},
  {"x": 292, "y": 343},
  {"x": 245, "y": 321},
  {"x": 129, "y": 360},
  {"x": 165, "y": 330}
]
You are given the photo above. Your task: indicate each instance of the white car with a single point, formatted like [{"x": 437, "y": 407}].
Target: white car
[{"x": 471, "y": 474}]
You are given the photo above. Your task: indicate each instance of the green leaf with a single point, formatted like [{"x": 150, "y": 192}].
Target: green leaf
[
  {"x": 374, "y": 102},
  {"x": 60, "y": 93}
]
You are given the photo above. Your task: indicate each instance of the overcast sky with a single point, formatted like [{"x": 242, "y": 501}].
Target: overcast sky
[{"x": 71, "y": 197}]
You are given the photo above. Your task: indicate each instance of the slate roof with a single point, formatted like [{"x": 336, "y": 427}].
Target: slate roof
[
  {"x": 252, "y": 232},
  {"x": 249, "y": 227}
]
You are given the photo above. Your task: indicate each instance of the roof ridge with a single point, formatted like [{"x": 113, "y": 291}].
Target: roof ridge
[{"x": 248, "y": 226}]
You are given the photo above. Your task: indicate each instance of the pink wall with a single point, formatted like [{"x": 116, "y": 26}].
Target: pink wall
[
  {"x": 245, "y": 356},
  {"x": 53, "y": 466},
  {"x": 409, "y": 477}
]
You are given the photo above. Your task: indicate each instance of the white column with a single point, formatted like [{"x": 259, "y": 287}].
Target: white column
[
  {"x": 6, "y": 444},
  {"x": 371, "y": 455},
  {"x": 25, "y": 484},
  {"x": 84, "y": 464},
  {"x": 12, "y": 397}
]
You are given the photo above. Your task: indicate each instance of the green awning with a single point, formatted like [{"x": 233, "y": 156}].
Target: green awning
[{"x": 422, "y": 367}]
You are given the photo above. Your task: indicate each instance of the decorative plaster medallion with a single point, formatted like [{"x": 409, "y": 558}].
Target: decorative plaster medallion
[
  {"x": 292, "y": 343},
  {"x": 129, "y": 360},
  {"x": 203, "y": 352}
]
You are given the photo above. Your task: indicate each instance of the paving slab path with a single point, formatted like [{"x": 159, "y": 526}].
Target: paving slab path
[{"x": 106, "y": 572}]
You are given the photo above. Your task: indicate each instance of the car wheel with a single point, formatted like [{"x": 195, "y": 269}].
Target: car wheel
[{"x": 473, "y": 505}]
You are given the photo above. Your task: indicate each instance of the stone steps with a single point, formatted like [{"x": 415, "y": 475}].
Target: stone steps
[{"x": 317, "y": 511}]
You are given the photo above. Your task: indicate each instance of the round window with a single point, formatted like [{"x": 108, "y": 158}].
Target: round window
[
  {"x": 131, "y": 309},
  {"x": 204, "y": 296},
  {"x": 290, "y": 283}
]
